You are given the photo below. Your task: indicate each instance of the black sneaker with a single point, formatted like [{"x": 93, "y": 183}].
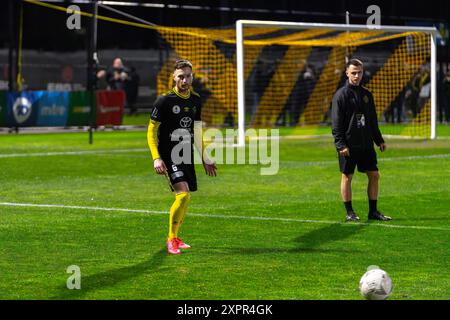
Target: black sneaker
[
  {"x": 377, "y": 215},
  {"x": 352, "y": 216}
]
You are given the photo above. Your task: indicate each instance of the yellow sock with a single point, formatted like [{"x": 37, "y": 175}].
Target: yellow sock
[
  {"x": 177, "y": 210},
  {"x": 183, "y": 214}
]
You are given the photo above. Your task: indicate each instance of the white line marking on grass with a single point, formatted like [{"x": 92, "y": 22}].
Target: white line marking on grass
[
  {"x": 430, "y": 156},
  {"x": 62, "y": 206},
  {"x": 307, "y": 163},
  {"x": 329, "y": 162},
  {"x": 30, "y": 205}
]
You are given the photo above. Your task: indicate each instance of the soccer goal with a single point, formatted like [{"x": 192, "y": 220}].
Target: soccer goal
[{"x": 287, "y": 74}]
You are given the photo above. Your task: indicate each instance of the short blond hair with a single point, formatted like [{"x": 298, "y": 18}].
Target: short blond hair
[{"x": 182, "y": 63}]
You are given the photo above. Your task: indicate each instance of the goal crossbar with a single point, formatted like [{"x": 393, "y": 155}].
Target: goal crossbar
[{"x": 240, "y": 24}]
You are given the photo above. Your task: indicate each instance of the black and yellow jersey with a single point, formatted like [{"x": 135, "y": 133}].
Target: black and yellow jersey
[{"x": 174, "y": 111}]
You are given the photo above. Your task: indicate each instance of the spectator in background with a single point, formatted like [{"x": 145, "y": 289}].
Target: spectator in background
[
  {"x": 394, "y": 113},
  {"x": 424, "y": 96},
  {"x": 116, "y": 76},
  {"x": 417, "y": 84},
  {"x": 201, "y": 86},
  {"x": 120, "y": 77},
  {"x": 306, "y": 87},
  {"x": 445, "y": 115},
  {"x": 132, "y": 90}
]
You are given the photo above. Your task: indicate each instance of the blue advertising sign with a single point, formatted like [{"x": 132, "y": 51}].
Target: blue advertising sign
[
  {"x": 22, "y": 108},
  {"x": 53, "y": 108}
]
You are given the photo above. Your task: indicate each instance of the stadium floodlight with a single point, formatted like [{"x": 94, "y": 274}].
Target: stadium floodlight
[{"x": 303, "y": 64}]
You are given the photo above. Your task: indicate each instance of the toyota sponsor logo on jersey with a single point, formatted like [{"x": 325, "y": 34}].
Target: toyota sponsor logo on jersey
[
  {"x": 185, "y": 122},
  {"x": 22, "y": 109}
]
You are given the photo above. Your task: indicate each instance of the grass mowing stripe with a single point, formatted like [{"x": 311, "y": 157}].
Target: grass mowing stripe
[
  {"x": 69, "y": 153},
  {"x": 106, "y": 152},
  {"x": 14, "y": 204}
]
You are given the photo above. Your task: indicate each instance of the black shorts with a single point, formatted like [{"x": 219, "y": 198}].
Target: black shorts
[
  {"x": 181, "y": 172},
  {"x": 365, "y": 159}
]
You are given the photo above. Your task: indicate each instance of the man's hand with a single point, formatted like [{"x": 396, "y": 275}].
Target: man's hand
[
  {"x": 383, "y": 147},
  {"x": 160, "y": 166},
  {"x": 345, "y": 152},
  {"x": 210, "y": 168},
  {"x": 101, "y": 74},
  {"x": 123, "y": 76}
]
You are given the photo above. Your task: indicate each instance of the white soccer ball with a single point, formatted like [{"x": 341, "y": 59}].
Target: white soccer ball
[{"x": 375, "y": 284}]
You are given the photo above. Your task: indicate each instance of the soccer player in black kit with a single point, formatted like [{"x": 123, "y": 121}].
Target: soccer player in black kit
[
  {"x": 170, "y": 139},
  {"x": 355, "y": 130}
]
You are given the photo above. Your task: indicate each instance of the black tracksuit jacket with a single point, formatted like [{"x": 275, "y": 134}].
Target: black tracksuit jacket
[{"x": 350, "y": 104}]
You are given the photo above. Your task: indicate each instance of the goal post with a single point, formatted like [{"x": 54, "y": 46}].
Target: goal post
[{"x": 406, "y": 53}]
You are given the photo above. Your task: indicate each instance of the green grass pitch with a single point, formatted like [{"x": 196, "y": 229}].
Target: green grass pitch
[{"x": 64, "y": 202}]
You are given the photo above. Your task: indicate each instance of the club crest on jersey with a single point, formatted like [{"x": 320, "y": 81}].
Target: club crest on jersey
[
  {"x": 176, "y": 109},
  {"x": 366, "y": 99},
  {"x": 185, "y": 122}
]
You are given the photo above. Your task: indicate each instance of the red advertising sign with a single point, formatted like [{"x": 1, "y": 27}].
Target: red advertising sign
[{"x": 110, "y": 106}]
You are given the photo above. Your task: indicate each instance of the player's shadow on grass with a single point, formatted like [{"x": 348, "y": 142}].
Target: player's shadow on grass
[
  {"x": 319, "y": 237},
  {"x": 314, "y": 241},
  {"x": 111, "y": 278}
]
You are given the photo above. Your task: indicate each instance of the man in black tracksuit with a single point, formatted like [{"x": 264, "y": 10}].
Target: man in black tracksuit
[{"x": 355, "y": 130}]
